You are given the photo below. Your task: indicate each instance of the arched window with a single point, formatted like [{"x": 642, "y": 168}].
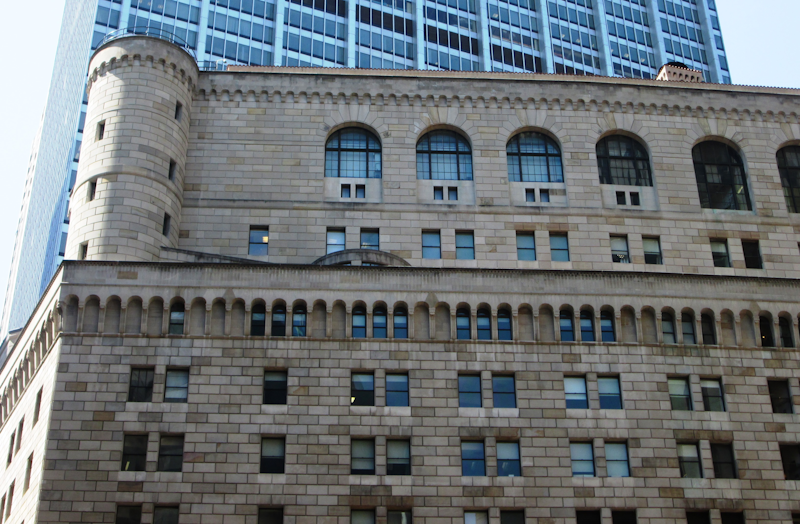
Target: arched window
[
  {"x": 533, "y": 157},
  {"x": 789, "y": 168},
  {"x": 484, "y": 324},
  {"x": 462, "y": 324},
  {"x": 359, "y": 322},
  {"x": 258, "y": 320},
  {"x": 279, "y": 321},
  {"x": 709, "y": 332},
  {"x": 587, "y": 326},
  {"x": 607, "y": 331},
  {"x": 687, "y": 324},
  {"x": 299, "y": 321},
  {"x": 765, "y": 325},
  {"x": 504, "y": 330},
  {"x": 353, "y": 153},
  {"x": 786, "y": 332},
  {"x": 177, "y": 314},
  {"x": 443, "y": 155},
  {"x": 720, "y": 177},
  {"x": 379, "y": 323},
  {"x": 668, "y": 328},
  {"x": 400, "y": 323},
  {"x": 566, "y": 325},
  {"x": 623, "y": 161}
]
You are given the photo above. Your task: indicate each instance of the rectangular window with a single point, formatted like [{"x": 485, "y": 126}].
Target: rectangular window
[
  {"x": 508, "y": 463},
  {"x": 270, "y": 516},
  {"x": 166, "y": 515},
  {"x": 512, "y": 517},
  {"x": 10, "y": 499},
  {"x": 544, "y": 195},
  {"x": 361, "y": 191},
  {"x": 530, "y": 195},
  {"x": 141, "y": 389},
  {"x": 712, "y": 395},
  {"x": 431, "y": 245},
  {"x": 623, "y": 517},
  {"x": 178, "y": 111},
  {"x": 28, "y": 467},
  {"x": 396, "y": 389},
  {"x": 165, "y": 227},
  {"x": 2, "y": 508},
  {"x": 469, "y": 391},
  {"x": 452, "y": 193},
  {"x": 101, "y": 130},
  {"x": 19, "y": 432},
  {"x": 438, "y": 193},
  {"x": 335, "y": 241},
  {"x": 273, "y": 455},
  {"x": 559, "y": 247},
  {"x": 780, "y": 395},
  {"x": 617, "y": 459},
  {"x": 582, "y": 456},
  {"x": 697, "y": 517},
  {"x": 170, "y": 453},
  {"x": 398, "y": 516},
  {"x": 503, "y": 391},
  {"x": 275, "y": 388},
  {"x": 619, "y": 250},
  {"x": 398, "y": 457},
  {"x": 732, "y": 518},
  {"x": 526, "y": 246},
  {"x": 680, "y": 396},
  {"x": 752, "y": 254},
  {"x": 129, "y": 515},
  {"x": 173, "y": 166},
  {"x": 370, "y": 239},
  {"x": 790, "y": 456},
  {"x": 652, "y": 251},
  {"x": 345, "y": 191},
  {"x": 83, "y": 249},
  {"x": 575, "y": 392},
  {"x": 689, "y": 461},
  {"x": 621, "y": 199},
  {"x": 476, "y": 517},
  {"x": 635, "y": 199},
  {"x": 92, "y": 191},
  {"x": 724, "y": 463},
  {"x": 362, "y": 454},
  {"x": 362, "y": 516},
  {"x": 465, "y": 245},
  {"x": 719, "y": 251},
  {"x": 610, "y": 393},
  {"x": 11, "y": 449},
  {"x": 177, "y": 387},
  {"x": 473, "y": 459},
  {"x": 134, "y": 453},
  {"x": 38, "y": 406},
  {"x": 259, "y": 241},
  {"x": 362, "y": 389},
  {"x": 588, "y": 517}
]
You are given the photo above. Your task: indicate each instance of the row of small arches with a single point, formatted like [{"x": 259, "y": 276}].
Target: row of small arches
[{"x": 421, "y": 321}]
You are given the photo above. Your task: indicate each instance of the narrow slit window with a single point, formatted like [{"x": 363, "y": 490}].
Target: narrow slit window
[
  {"x": 165, "y": 227},
  {"x": 101, "y": 130}
]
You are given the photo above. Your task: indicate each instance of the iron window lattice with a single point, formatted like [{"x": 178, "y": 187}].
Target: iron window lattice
[
  {"x": 444, "y": 155},
  {"x": 534, "y": 157},
  {"x": 623, "y": 161},
  {"x": 721, "y": 179},
  {"x": 353, "y": 153}
]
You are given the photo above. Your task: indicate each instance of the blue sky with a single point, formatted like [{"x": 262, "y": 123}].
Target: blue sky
[{"x": 760, "y": 39}]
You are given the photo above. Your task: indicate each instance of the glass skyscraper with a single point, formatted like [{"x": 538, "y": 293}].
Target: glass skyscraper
[{"x": 626, "y": 38}]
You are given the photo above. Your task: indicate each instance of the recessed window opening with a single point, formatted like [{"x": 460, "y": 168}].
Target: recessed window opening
[
  {"x": 165, "y": 226},
  {"x": 721, "y": 178},
  {"x": 623, "y": 161},
  {"x": 92, "y": 191},
  {"x": 173, "y": 166},
  {"x": 101, "y": 130},
  {"x": 533, "y": 157},
  {"x": 353, "y": 153},
  {"x": 444, "y": 155},
  {"x": 178, "y": 111}
]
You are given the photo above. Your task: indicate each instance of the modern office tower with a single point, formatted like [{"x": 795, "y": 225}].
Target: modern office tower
[
  {"x": 630, "y": 38},
  {"x": 380, "y": 296}
]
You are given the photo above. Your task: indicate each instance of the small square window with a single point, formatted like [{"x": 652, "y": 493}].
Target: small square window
[
  {"x": 362, "y": 389},
  {"x": 610, "y": 394},
  {"x": 719, "y": 251},
  {"x": 345, "y": 190},
  {"x": 652, "y": 251},
  {"x": 617, "y": 459},
  {"x": 530, "y": 195},
  {"x": 780, "y": 396},
  {"x": 431, "y": 245},
  {"x": 689, "y": 461},
  {"x": 165, "y": 227},
  {"x": 438, "y": 193},
  {"x": 273, "y": 455},
  {"x": 582, "y": 458},
  {"x": 177, "y": 388},
  {"x": 635, "y": 199},
  {"x": 335, "y": 241},
  {"x": 398, "y": 457},
  {"x": 134, "y": 453},
  {"x": 469, "y": 391},
  {"x": 361, "y": 191},
  {"x": 712, "y": 395},
  {"x": 362, "y": 454},
  {"x": 621, "y": 200},
  {"x": 503, "y": 392},
  {"x": 508, "y": 463},
  {"x": 465, "y": 245},
  {"x": 559, "y": 247},
  {"x": 544, "y": 195},
  {"x": 166, "y": 515},
  {"x": 473, "y": 459},
  {"x": 752, "y": 255},
  {"x": 170, "y": 453},
  {"x": 724, "y": 463},
  {"x": 396, "y": 389},
  {"x": 526, "y": 246},
  {"x": 275, "y": 388},
  {"x": 270, "y": 516},
  {"x": 259, "y": 241},
  {"x": 141, "y": 388},
  {"x": 575, "y": 393},
  {"x": 452, "y": 193},
  {"x": 128, "y": 515},
  {"x": 680, "y": 395}
]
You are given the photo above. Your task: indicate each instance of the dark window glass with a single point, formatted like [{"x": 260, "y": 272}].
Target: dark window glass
[
  {"x": 473, "y": 459},
  {"x": 607, "y": 326},
  {"x": 752, "y": 255},
  {"x": 719, "y": 252},
  {"x": 400, "y": 323},
  {"x": 128, "y": 515},
  {"x": 567, "y": 328},
  {"x": 508, "y": 463},
  {"x": 533, "y": 157},
  {"x": 484, "y": 324},
  {"x": 279, "y": 321},
  {"x": 398, "y": 457},
  {"x": 512, "y": 517},
  {"x": 668, "y": 328},
  {"x": 504, "y": 331},
  {"x": 780, "y": 395},
  {"x": 623, "y": 517},
  {"x": 712, "y": 395},
  {"x": 790, "y": 456},
  {"x": 680, "y": 396},
  {"x": 697, "y": 517},
  {"x": 259, "y": 242},
  {"x": 141, "y": 389},
  {"x": 176, "y": 316},
  {"x": 503, "y": 392},
  {"x": 362, "y": 389},
  {"x": 379, "y": 323},
  {"x": 463, "y": 331},
  {"x": 258, "y": 320},
  {"x": 765, "y": 327},
  {"x": 575, "y": 393},
  {"x": 708, "y": 328},
  {"x": 299, "y": 321},
  {"x": 396, "y": 390},
  {"x": 789, "y": 168},
  {"x": 177, "y": 385},
  {"x": 785, "y": 326},
  {"x": 165, "y": 226},
  {"x": 38, "y": 406},
  {"x": 398, "y": 516},
  {"x": 170, "y": 453},
  {"x": 443, "y": 155},
  {"x": 732, "y": 518},
  {"x": 469, "y": 391},
  {"x": 587, "y": 326},
  {"x": 353, "y": 153},
  {"x": 689, "y": 461},
  {"x": 724, "y": 464},
  {"x": 721, "y": 180},
  {"x": 610, "y": 394},
  {"x": 275, "y": 388},
  {"x": 582, "y": 458},
  {"x": 362, "y": 457},
  {"x": 166, "y": 515},
  {"x": 273, "y": 455},
  {"x": 134, "y": 453},
  {"x": 687, "y": 324},
  {"x": 588, "y": 517},
  {"x": 623, "y": 161}
]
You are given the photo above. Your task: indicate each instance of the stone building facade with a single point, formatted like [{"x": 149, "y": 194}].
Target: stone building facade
[{"x": 549, "y": 300}]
